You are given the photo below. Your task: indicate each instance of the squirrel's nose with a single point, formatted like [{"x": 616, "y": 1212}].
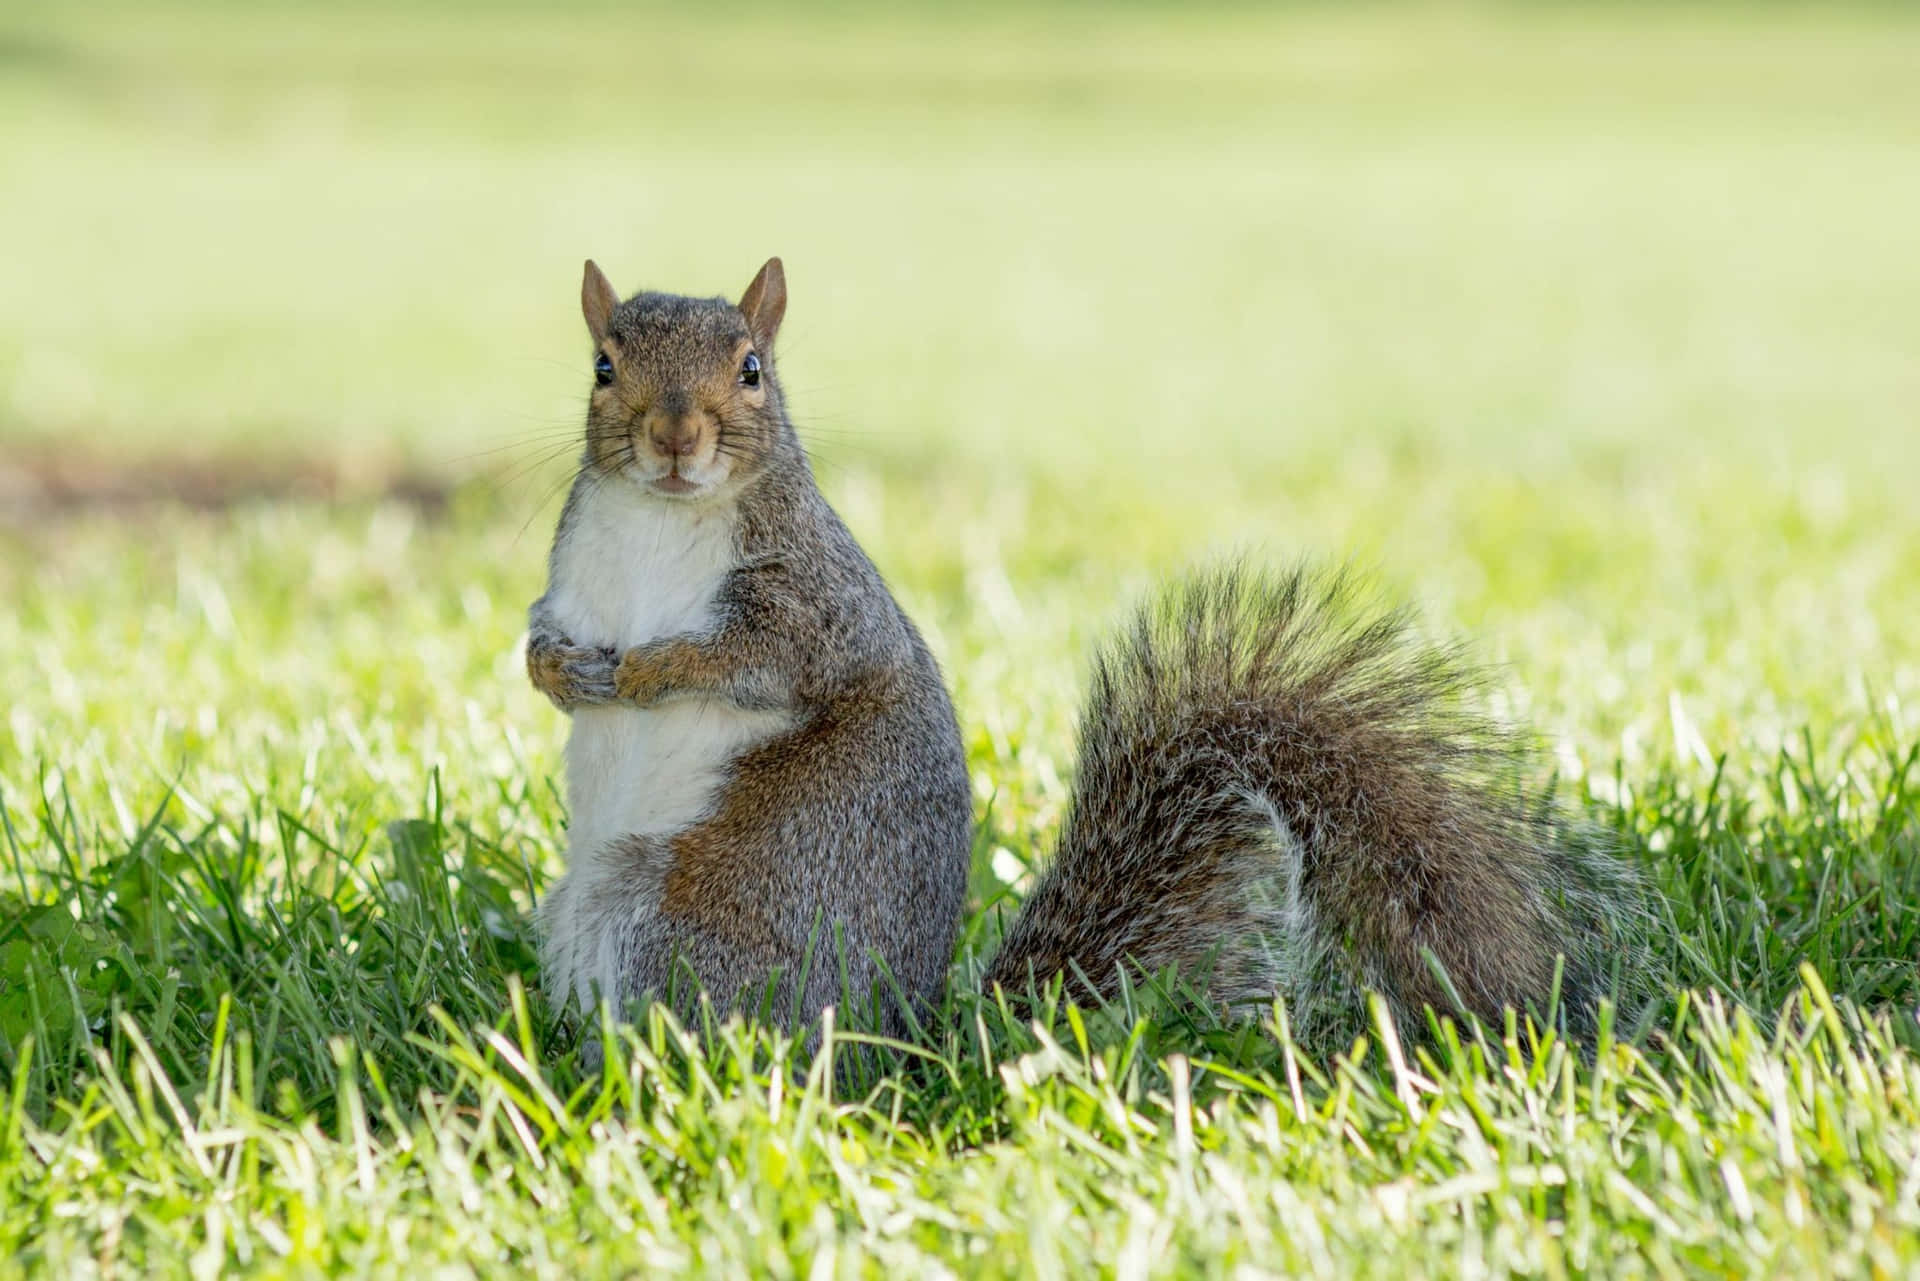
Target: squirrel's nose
[{"x": 674, "y": 438}]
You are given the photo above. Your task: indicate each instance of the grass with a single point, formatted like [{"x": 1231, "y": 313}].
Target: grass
[{"x": 1590, "y": 330}]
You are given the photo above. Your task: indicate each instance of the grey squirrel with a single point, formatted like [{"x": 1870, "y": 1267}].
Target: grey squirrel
[{"x": 1281, "y": 789}]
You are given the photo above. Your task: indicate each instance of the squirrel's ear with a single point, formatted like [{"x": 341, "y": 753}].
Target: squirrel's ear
[
  {"x": 597, "y": 301},
  {"x": 765, "y": 302}
]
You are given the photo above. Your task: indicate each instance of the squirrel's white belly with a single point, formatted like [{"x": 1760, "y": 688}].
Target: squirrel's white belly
[
  {"x": 634, "y": 569},
  {"x": 629, "y": 570},
  {"x": 653, "y": 771}
]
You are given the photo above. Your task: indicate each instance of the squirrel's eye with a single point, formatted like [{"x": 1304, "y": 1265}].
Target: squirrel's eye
[
  {"x": 603, "y": 370},
  {"x": 750, "y": 371}
]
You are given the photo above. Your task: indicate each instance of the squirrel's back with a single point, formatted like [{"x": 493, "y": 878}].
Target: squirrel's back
[{"x": 1284, "y": 788}]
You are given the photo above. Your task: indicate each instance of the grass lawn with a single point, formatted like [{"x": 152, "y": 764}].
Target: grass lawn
[{"x": 1593, "y": 331}]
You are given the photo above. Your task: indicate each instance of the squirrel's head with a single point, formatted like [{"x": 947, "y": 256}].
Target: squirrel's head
[{"x": 684, "y": 402}]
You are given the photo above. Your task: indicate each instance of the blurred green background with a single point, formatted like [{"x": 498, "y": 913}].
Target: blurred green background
[
  {"x": 1546, "y": 234},
  {"x": 1595, "y": 329}
]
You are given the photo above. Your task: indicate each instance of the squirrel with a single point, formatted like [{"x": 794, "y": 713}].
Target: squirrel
[{"x": 1282, "y": 789}]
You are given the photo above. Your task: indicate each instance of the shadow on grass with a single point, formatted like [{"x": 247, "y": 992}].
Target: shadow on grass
[{"x": 37, "y": 484}]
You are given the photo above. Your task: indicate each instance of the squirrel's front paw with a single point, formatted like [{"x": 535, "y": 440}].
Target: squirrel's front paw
[
  {"x": 571, "y": 675},
  {"x": 641, "y": 676}
]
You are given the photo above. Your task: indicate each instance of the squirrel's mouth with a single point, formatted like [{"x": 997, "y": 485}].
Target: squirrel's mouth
[{"x": 674, "y": 483}]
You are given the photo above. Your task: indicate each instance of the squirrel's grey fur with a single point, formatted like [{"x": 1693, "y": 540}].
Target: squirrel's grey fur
[{"x": 1278, "y": 788}]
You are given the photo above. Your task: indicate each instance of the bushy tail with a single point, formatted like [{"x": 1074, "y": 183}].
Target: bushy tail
[{"x": 1283, "y": 788}]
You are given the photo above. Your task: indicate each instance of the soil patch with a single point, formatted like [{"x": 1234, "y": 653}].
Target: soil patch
[{"x": 37, "y": 482}]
